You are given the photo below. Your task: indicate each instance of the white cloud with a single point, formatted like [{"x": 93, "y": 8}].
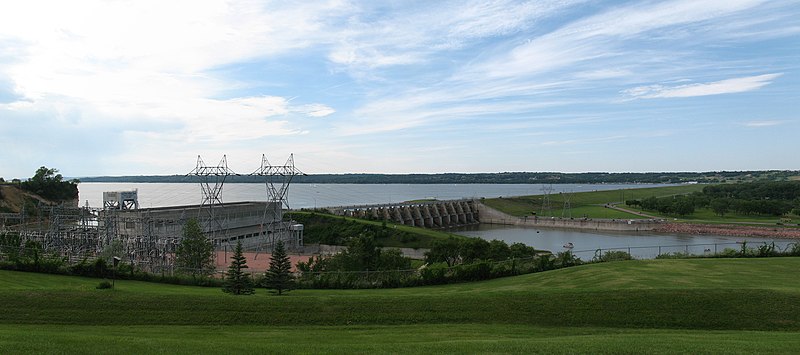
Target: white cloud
[
  {"x": 767, "y": 123},
  {"x": 315, "y": 110},
  {"x": 600, "y": 74},
  {"x": 727, "y": 86},
  {"x": 601, "y": 36},
  {"x": 414, "y": 34},
  {"x": 145, "y": 62}
]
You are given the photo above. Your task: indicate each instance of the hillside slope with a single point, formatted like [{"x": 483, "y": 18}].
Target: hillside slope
[
  {"x": 734, "y": 294},
  {"x": 12, "y": 199}
]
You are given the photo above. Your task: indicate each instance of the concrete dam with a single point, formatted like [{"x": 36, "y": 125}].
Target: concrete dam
[{"x": 427, "y": 214}]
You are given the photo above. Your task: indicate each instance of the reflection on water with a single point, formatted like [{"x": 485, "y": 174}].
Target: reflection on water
[{"x": 643, "y": 245}]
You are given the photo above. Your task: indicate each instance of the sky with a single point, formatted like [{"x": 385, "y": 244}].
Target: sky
[{"x": 116, "y": 87}]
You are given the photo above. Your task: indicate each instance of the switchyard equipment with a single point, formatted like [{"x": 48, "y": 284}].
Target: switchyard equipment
[{"x": 148, "y": 238}]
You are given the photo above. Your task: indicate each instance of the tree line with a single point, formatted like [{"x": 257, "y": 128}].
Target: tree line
[
  {"x": 485, "y": 178},
  {"x": 774, "y": 198}
]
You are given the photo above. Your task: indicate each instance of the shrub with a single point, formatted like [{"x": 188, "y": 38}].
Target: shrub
[
  {"x": 615, "y": 255},
  {"x": 105, "y": 284},
  {"x": 675, "y": 255},
  {"x": 793, "y": 249},
  {"x": 766, "y": 250}
]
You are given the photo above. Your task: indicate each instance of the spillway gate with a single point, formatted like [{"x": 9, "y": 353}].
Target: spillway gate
[{"x": 426, "y": 214}]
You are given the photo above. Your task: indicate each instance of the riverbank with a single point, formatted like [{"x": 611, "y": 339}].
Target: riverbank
[
  {"x": 489, "y": 215},
  {"x": 728, "y": 230},
  {"x": 492, "y": 216}
]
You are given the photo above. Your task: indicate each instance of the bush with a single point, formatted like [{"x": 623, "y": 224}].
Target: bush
[
  {"x": 615, "y": 255},
  {"x": 766, "y": 250},
  {"x": 105, "y": 284},
  {"x": 675, "y": 255},
  {"x": 793, "y": 249}
]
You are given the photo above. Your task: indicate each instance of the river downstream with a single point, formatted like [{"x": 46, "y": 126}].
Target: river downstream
[{"x": 643, "y": 245}]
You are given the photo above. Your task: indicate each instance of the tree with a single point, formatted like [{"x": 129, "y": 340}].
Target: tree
[
  {"x": 279, "y": 275},
  {"x": 195, "y": 252},
  {"x": 498, "y": 250},
  {"x": 473, "y": 249},
  {"x": 237, "y": 281},
  {"x": 720, "y": 206},
  {"x": 443, "y": 250},
  {"x": 48, "y": 183},
  {"x": 519, "y": 250}
]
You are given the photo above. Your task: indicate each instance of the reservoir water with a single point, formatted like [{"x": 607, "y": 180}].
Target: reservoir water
[{"x": 323, "y": 195}]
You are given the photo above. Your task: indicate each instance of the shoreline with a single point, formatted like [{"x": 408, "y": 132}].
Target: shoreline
[
  {"x": 728, "y": 230},
  {"x": 489, "y": 215}
]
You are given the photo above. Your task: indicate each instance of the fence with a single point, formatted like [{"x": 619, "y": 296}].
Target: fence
[{"x": 705, "y": 249}]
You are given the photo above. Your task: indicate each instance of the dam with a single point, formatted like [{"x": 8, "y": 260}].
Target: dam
[{"x": 426, "y": 214}]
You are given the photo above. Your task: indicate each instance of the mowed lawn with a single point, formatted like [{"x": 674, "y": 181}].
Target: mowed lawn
[
  {"x": 590, "y": 204},
  {"x": 697, "y": 306}
]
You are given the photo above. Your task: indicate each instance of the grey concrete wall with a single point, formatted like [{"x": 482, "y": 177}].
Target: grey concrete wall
[
  {"x": 430, "y": 214},
  {"x": 492, "y": 216}
]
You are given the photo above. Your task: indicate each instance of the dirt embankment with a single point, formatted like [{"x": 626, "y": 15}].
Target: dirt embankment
[
  {"x": 12, "y": 198},
  {"x": 729, "y": 230}
]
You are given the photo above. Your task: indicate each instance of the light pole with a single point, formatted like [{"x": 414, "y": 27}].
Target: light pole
[{"x": 114, "y": 277}]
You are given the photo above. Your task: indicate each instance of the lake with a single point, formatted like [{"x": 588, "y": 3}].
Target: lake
[{"x": 328, "y": 195}]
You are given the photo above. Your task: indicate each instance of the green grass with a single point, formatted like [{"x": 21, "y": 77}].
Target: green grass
[
  {"x": 393, "y": 235},
  {"x": 422, "y": 339},
  {"x": 693, "y": 305},
  {"x": 589, "y": 203}
]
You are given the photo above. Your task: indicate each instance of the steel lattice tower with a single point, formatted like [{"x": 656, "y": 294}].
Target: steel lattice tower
[
  {"x": 567, "y": 211},
  {"x": 546, "y": 208},
  {"x": 212, "y": 179},
  {"x": 276, "y": 179}
]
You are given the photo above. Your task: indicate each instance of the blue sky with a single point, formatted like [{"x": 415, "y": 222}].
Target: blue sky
[{"x": 143, "y": 87}]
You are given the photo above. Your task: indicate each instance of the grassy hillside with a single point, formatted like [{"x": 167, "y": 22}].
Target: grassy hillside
[
  {"x": 720, "y": 305},
  {"x": 586, "y": 203},
  {"x": 329, "y": 229}
]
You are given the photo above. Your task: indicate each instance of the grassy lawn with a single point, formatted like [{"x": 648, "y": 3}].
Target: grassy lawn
[
  {"x": 706, "y": 215},
  {"x": 586, "y": 203},
  {"x": 696, "y": 305},
  {"x": 591, "y": 204},
  {"x": 427, "y": 339}
]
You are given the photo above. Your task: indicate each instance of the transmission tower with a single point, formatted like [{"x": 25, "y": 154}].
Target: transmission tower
[
  {"x": 212, "y": 178},
  {"x": 546, "y": 208},
  {"x": 567, "y": 211},
  {"x": 277, "y": 179}
]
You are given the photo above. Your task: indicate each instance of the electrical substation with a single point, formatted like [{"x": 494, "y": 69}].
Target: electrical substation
[{"x": 148, "y": 237}]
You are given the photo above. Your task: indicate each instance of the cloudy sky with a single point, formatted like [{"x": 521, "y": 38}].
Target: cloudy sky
[{"x": 144, "y": 87}]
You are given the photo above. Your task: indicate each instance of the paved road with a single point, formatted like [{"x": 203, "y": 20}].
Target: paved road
[{"x": 614, "y": 207}]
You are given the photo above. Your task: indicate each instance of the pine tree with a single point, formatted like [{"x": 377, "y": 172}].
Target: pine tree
[
  {"x": 238, "y": 282},
  {"x": 195, "y": 252},
  {"x": 279, "y": 275}
]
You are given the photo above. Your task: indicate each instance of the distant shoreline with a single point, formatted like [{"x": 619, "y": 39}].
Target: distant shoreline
[{"x": 482, "y": 178}]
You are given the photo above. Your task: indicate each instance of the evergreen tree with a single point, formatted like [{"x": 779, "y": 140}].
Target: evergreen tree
[
  {"x": 195, "y": 253},
  {"x": 279, "y": 275},
  {"x": 238, "y": 282}
]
